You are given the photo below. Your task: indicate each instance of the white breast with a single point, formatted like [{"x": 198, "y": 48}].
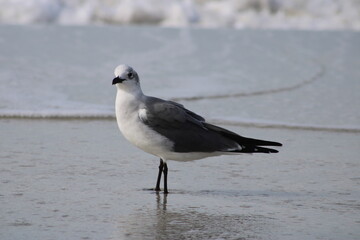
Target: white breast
[{"x": 136, "y": 132}]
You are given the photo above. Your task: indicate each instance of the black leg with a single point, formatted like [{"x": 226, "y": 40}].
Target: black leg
[
  {"x": 165, "y": 178},
  {"x": 161, "y": 167}
]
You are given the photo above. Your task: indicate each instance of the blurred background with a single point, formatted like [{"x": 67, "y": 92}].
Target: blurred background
[{"x": 272, "y": 14}]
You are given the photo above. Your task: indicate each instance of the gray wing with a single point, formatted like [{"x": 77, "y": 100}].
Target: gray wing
[
  {"x": 183, "y": 127},
  {"x": 192, "y": 114}
]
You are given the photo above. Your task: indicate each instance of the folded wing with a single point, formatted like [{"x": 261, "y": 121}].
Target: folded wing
[{"x": 190, "y": 133}]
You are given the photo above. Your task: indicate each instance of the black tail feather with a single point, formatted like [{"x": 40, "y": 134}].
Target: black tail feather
[
  {"x": 244, "y": 141},
  {"x": 248, "y": 145},
  {"x": 256, "y": 149}
]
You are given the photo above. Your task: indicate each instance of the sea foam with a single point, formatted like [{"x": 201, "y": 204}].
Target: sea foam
[{"x": 274, "y": 14}]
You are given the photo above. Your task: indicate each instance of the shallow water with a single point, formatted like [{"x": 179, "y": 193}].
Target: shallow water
[{"x": 282, "y": 78}]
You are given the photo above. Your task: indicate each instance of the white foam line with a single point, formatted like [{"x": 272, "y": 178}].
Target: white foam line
[
  {"x": 56, "y": 115},
  {"x": 265, "y": 124},
  {"x": 238, "y": 122},
  {"x": 310, "y": 80}
]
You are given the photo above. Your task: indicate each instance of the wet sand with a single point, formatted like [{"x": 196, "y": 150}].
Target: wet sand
[{"x": 79, "y": 179}]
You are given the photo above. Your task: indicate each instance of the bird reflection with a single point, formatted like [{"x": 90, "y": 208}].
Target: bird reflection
[
  {"x": 181, "y": 221},
  {"x": 161, "y": 204}
]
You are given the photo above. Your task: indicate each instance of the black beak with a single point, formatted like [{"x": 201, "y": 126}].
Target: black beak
[{"x": 117, "y": 80}]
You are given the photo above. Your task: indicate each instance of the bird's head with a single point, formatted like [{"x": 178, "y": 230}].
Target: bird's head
[{"x": 125, "y": 77}]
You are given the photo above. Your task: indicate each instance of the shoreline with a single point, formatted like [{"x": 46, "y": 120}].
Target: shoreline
[{"x": 239, "y": 123}]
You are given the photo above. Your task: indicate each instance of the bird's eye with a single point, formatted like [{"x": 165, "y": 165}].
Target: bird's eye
[{"x": 130, "y": 75}]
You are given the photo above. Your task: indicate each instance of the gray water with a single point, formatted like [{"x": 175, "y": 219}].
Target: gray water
[{"x": 67, "y": 173}]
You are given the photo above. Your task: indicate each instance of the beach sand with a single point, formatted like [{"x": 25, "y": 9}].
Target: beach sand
[{"x": 79, "y": 179}]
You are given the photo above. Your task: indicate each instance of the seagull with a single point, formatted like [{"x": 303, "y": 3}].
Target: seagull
[{"x": 169, "y": 131}]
